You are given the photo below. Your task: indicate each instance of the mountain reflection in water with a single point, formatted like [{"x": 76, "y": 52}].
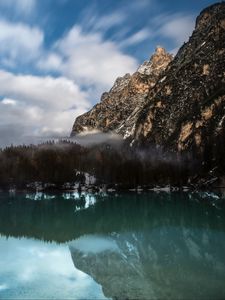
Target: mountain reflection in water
[{"x": 149, "y": 246}]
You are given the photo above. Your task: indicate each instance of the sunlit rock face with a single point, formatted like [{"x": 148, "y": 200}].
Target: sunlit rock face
[
  {"x": 174, "y": 104},
  {"x": 127, "y": 94}
]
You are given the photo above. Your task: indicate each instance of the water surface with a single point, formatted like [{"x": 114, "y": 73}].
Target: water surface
[{"x": 128, "y": 246}]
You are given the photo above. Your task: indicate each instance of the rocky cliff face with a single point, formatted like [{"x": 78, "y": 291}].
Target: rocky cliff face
[
  {"x": 173, "y": 104},
  {"x": 186, "y": 106},
  {"x": 127, "y": 94}
]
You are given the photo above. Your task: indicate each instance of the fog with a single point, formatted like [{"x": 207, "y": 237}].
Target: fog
[{"x": 94, "y": 137}]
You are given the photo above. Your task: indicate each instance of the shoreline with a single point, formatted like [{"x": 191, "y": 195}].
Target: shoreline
[{"x": 107, "y": 188}]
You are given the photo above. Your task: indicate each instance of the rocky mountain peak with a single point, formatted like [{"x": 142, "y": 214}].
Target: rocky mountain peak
[
  {"x": 159, "y": 55},
  {"x": 158, "y": 61},
  {"x": 160, "y": 51},
  {"x": 127, "y": 94}
]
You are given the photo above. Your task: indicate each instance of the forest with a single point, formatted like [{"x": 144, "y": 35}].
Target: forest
[{"x": 66, "y": 161}]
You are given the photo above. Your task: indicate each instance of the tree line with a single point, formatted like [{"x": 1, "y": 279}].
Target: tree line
[{"x": 60, "y": 162}]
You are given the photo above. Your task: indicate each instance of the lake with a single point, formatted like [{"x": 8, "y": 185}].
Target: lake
[{"x": 116, "y": 246}]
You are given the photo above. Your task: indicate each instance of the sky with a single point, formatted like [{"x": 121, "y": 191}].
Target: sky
[{"x": 58, "y": 56}]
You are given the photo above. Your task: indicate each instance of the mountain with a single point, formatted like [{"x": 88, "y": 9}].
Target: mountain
[
  {"x": 175, "y": 104},
  {"x": 185, "y": 109},
  {"x": 127, "y": 94},
  {"x": 164, "y": 263}
]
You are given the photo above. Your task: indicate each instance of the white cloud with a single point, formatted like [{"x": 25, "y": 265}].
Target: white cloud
[
  {"x": 109, "y": 21},
  {"x": 8, "y": 101},
  {"x": 60, "y": 93},
  {"x": 39, "y": 106},
  {"x": 19, "y": 42},
  {"x": 94, "y": 22},
  {"x": 177, "y": 27},
  {"x": 20, "y": 6},
  {"x": 137, "y": 37},
  {"x": 51, "y": 61},
  {"x": 90, "y": 60}
]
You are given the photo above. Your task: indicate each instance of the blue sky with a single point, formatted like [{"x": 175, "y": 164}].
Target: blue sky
[{"x": 58, "y": 56}]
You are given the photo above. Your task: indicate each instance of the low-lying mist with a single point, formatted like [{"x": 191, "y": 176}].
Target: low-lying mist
[{"x": 94, "y": 137}]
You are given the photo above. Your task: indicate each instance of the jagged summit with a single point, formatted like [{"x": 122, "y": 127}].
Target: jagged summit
[
  {"x": 127, "y": 93},
  {"x": 157, "y": 62}
]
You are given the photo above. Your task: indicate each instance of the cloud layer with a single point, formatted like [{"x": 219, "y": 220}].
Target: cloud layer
[{"x": 38, "y": 106}]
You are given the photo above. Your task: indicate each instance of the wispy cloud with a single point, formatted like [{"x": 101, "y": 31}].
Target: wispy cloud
[
  {"x": 137, "y": 37},
  {"x": 19, "y": 42},
  {"x": 92, "y": 21},
  {"x": 177, "y": 27},
  {"x": 23, "y": 7}
]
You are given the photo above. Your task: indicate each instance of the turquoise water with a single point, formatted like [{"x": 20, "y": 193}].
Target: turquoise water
[{"x": 127, "y": 246}]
